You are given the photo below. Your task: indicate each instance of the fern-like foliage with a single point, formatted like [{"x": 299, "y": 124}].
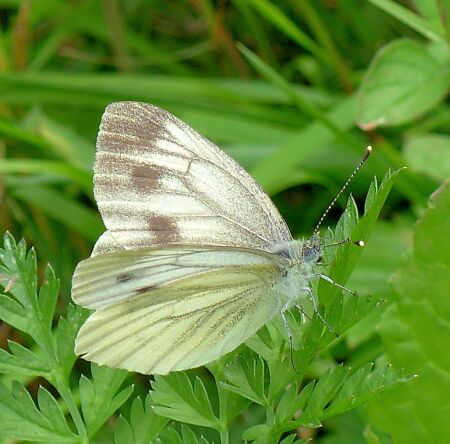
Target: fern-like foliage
[{"x": 265, "y": 378}]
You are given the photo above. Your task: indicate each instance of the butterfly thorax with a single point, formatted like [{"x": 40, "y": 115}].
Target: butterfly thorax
[{"x": 302, "y": 255}]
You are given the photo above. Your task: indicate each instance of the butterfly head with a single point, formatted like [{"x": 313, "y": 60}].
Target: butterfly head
[
  {"x": 311, "y": 250},
  {"x": 305, "y": 252}
]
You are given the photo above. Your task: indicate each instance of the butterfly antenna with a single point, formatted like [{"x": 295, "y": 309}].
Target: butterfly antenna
[{"x": 344, "y": 187}]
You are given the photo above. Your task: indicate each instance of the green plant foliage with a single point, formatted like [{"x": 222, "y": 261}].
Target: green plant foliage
[
  {"x": 403, "y": 82},
  {"x": 294, "y": 91},
  {"x": 429, "y": 154},
  {"x": 143, "y": 425},
  {"x": 415, "y": 330},
  {"x": 265, "y": 376}
]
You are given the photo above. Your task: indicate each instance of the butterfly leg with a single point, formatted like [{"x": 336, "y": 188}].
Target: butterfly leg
[
  {"x": 316, "y": 310},
  {"x": 291, "y": 339},
  {"x": 332, "y": 282}
]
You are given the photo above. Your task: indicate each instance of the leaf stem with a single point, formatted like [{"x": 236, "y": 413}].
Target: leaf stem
[
  {"x": 66, "y": 394},
  {"x": 224, "y": 438},
  {"x": 269, "y": 415}
]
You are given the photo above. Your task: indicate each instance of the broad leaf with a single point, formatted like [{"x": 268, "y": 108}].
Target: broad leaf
[
  {"x": 415, "y": 331},
  {"x": 403, "y": 82}
]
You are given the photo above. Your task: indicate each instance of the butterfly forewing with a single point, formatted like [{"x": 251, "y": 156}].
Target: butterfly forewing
[
  {"x": 158, "y": 182},
  {"x": 180, "y": 323}
]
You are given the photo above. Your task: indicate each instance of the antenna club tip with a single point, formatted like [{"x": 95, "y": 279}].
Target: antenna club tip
[
  {"x": 369, "y": 149},
  {"x": 360, "y": 243}
]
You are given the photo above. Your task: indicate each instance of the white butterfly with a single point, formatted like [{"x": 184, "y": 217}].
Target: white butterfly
[{"x": 195, "y": 259}]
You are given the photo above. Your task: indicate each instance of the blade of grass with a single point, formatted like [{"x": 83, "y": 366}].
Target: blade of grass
[
  {"x": 278, "y": 19},
  {"x": 306, "y": 9},
  {"x": 69, "y": 212},
  {"x": 409, "y": 18},
  {"x": 302, "y": 104},
  {"x": 34, "y": 166}
]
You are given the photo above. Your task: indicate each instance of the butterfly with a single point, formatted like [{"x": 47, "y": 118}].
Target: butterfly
[{"x": 195, "y": 258}]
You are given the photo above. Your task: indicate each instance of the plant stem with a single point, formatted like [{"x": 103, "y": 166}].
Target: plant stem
[
  {"x": 269, "y": 415},
  {"x": 66, "y": 394},
  {"x": 224, "y": 438}
]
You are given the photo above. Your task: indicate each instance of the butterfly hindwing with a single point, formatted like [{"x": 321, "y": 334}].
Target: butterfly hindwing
[
  {"x": 181, "y": 323},
  {"x": 158, "y": 182},
  {"x": 109, "y": 278}
]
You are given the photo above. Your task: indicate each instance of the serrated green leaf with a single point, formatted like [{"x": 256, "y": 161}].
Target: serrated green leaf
[
  {"x": 13, "y": 313},
  {"x": 48, "y": 296},
  {"x": 261, "y": 431},
  {"x": 362, "y": 386},
  {"x": 21, "y": 361},
  {"x": 415, "y": 331},
  {"x": 324, "y": 390},
  {"x": 202, "y": 397},
  {"x": 123, "y": 433},
  {"x": 403, "y": 82},
  {"x": 145, "y": 424},
  {"x": 187, "y": 435},
  {"x": 99, "y": 398},
  {"x": 173, "y": 397},
  {"x": 371, "y": 193},
  {"x": 65, "y": 335},
  {"x": 22, "y": 268},
  {"x": 347, "y": 255},
  {"x": 287, "y": 405},
  {"x": 246, "y": 378},
  {"x": 289, "y": 439},
  {"x": 51, "y": 410},
  {"x": 21, "y": 420},
  {"x": 170, "y": 436}
]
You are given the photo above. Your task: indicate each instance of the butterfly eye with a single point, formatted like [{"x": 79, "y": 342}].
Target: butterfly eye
[{"x": 311, "y": 253}]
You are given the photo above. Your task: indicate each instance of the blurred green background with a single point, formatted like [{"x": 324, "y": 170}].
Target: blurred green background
[{"x": 293, "y": 90}]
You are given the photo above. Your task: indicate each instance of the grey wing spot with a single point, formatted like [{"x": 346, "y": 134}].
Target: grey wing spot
[
  {"x": 146, "y": 177},
  {"x": 124, "y": 277},
  {"x": 165, "y": 229},
  {"x": 146, "y": 289}
]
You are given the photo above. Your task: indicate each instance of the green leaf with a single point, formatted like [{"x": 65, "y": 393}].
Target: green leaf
[
  {"x": 99, "y": 396},
  {"x": 22, "y": 361},
  {"x": 63, "y": 141},
  {"x": 143, "y": 426},
  {"x": 48, "y": 296},
  {"x": 276, "y": 16},
  {"x": 171, "y": 436},
  {"x": 400, "y": 12},
  {"x": 51, "y": 410},
  {"x": 21, "y": 420},
  {"x": 174, "y": 396},
  {"x": 13, "y": 313},
  {"x": 65, "y": 334},
  {"x": 324, "y": 391},
  {"x": 187, "y": 435},
  {"x": 429, "y": 154},
  {"x": 288, "y": 404},
  {"x": 20, "y": 268},
  {"x": 347, "y": 255},
  {"x": 122, "y": 432},
  {"x": 415, "y": 331},
  {"x": 258, "y": 433},
  {"x": 403, "y": 82},
  {"x": 361, "y": 386},
  {"x": 246, "y": 376}
]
